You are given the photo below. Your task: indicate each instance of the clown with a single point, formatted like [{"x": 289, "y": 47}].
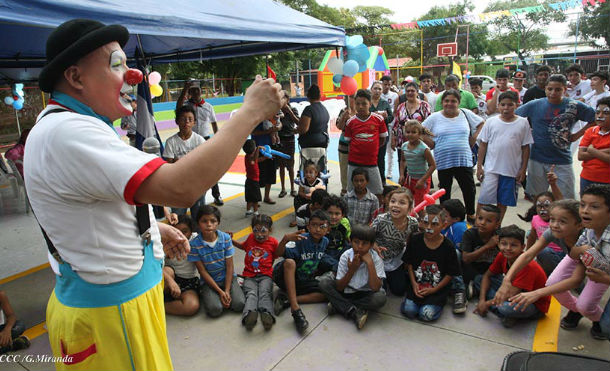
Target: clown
[{"x": 84, "y": 183}]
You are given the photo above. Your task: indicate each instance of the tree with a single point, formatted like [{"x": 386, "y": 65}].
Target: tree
[
  {"x": 522, "y": 33},
  {"x": 594, "y": 25}
]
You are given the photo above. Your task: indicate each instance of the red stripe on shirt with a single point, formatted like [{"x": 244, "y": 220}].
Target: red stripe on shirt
[{"x": 139, "y": 177}]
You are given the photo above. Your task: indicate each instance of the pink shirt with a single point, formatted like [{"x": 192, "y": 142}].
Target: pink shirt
[
  {"x": 540, "y": 226},
  {"x": 16, "y": 154}
]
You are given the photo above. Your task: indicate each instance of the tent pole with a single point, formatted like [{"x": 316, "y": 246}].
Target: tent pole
[
  {"x": 18, "y": 125},
  {"x": 267, "y": 65}
]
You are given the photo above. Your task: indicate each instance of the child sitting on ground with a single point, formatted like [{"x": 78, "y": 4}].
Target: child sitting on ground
[
  {"x": 393, "y": 229},
  {"x": 338, "y": 234},
  {"x": 431, "y": 263},
  {"x": 212, "y": 251},
  {"x": 357, "y": 288},
  {"x": 181, "y": 278},
  {"x": 591, "y": 250},
  {"x": 594, "y": 150},
  {"x": 317, "y": 201},
  {"x": 416, "y": 162},
  {"x": 504, "y": 148},
  {"x": 252, "y": 189},
  {"x": 261, "y": 249},
  {"x": 456, "y": 226},
  {"x": 480, "y": 244},
  {"x": 361, "y": 203},
  {"x": 309, "y": 184},
  {"x": 11, "y": 329},
  {"x": 530, "y": 278},
  {"x": 385, "y": 200},
  {"x": 295, "y": 275}
]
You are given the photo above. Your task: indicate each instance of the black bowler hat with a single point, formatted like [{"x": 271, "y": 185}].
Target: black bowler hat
[{"x": 73, "y": 40}]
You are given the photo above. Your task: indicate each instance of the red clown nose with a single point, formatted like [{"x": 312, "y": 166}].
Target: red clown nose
[{"x": 133, "y": 76}]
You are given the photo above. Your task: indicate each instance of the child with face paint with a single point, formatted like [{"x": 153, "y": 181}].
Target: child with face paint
[
  {"x": 393, "y": 230},
  {"x": 181, "y": 291},
  {"x": 530, "y": 278},
  {"x": 431, "y": 264},
  {"x": 261, "y": 249},
  {"x": 594, "y": 150}
]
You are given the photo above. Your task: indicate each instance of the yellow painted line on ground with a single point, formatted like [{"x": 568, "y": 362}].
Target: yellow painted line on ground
[
  {"x": 233, "y": 197},
  {"x": 36, "y": 331},
  {"x": 275, "y": 217},
  {"x": 547, "y": 330},
  {"x": 24, "y": 273}
]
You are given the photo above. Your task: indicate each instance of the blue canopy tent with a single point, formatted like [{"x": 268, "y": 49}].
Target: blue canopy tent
[{"x": 164, "y": 31}]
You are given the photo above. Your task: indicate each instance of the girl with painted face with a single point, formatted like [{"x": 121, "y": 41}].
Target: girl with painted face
[
  {"x": 261, "y": 250},
  {"x": 393, "y": 230}
]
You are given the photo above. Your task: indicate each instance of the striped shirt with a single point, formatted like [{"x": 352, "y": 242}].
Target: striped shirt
[
  {"x": 415, "y": 159},
  {"x": 213, "y": 254},
  {"x": 451, "y": 135}
]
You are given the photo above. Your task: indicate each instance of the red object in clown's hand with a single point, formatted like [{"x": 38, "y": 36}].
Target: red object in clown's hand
[
  {"x": 133, "y": 76},
  {"x": 428, "y": 200}
]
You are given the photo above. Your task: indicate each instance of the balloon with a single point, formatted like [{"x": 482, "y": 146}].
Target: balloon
[
  {"x": 353, "y": 41},
  {"x": 337, "y": 79},
  {"x": 359, "y": 54},
  {"x": 380, "y": 50},
  {"x": 18, "y": 104},
  {"x": 335, "y": 66},
  {"x": 156, "y": 90},
  {"x": 8, "y": 100},
  {"x": 350, "y": 68},
  {"x": 428, "y": 200},
  {"x": 154, "y": 78},
  {"x": 349, "y": 85}
]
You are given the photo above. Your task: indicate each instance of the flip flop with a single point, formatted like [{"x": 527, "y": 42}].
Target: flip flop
[
  {"x": 270, "y": 202},
  {"x": 293, "y": 193},
  {"x": 282, "y": 194}
]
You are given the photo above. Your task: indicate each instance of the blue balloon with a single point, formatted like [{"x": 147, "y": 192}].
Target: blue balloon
[
  {"x": 359, "y": 54},
  {"x": 8, "y": 100},
  {"x": 353, "y": 41},
  {"x": 337, "y": 79},
  {"x": 350, "y": 68},
  {"x": 18, "y": 104}
]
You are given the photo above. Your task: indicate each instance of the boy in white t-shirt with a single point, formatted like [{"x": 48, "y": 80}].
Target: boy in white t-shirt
[
  {"x": 504, "y": 150},
  {"x": 181, "y": 143}
]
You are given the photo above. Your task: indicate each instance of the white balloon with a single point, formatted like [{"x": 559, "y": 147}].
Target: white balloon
[{"x": 335, "y": 66}]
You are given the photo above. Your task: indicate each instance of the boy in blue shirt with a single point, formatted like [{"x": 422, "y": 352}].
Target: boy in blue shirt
[
  {"x": 295, "y": 275},
  {"x": 212, "y": 251},
  {"x": 552, "y": 119},
  {"x": 455, "y": 226}
]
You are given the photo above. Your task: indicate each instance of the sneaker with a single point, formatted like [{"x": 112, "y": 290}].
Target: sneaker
[
  {"x": 249, "y": 213},
  {"x": 508, "y": 322},
  {"x": 267, "y": 320},
  {"x": 459, "y": 303},
  {"x": 470, "y": 290},
  {"x": 218, "y": 201},
  {"x": 596, "y": 332},
  {"x": 256, "y": 213},
  {"x": 23, "y": 342},
  {"x": 331, "y": 309},
  {"x": 570, "y": 321},
  {"x": 299, "y": 320},
  {"x": 249, "y": 319},
  {"x": 359, "y": 316},
  {"x": 280, "y": 303}
]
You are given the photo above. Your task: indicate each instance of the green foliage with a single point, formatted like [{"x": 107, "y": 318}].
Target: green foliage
[
  {"x": 594, "y": 25},
  {"x": 521, "y": 33}
]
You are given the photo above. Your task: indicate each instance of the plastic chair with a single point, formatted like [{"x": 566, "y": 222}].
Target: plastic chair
[{"x": 9, "y": 177}]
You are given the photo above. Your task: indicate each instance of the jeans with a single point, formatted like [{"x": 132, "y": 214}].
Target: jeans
[
  {"x": 584, "y": 183},
  {"x": 194, "y": 209},
  {"x": 211, "y": 299},
  {"x": 587, "y": 303},
  {"x": 16, "y": 331},
  {"x": 604, "y": 321},
  {"x": 465, "y": 179},
  {"x": 549, "y": 258},
  {"x": 505, "y": 309},
  {"x": 258, "y": 292},
  {"x": 426, "y": 313},
  {"x": 345, "y": 303}
]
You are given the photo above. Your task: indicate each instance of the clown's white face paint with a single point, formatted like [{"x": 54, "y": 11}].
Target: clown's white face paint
[{"x": 118, "y": 65}]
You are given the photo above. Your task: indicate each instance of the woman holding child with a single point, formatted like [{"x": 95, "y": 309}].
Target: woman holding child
[{"x": 455, "y": 131}]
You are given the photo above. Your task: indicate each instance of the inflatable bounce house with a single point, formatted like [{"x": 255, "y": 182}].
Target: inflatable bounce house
[{"x": 376, "y": 66}]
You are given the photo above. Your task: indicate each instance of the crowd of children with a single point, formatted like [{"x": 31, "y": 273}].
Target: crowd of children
[{"x": 349, "y": 250}]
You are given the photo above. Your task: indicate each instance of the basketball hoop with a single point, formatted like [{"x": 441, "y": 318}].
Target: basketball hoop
[{"x": 446, "y": 49}]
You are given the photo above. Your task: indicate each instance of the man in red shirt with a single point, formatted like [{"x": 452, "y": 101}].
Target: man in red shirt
[
  {"x": 365, "y": 132},
  {"x": 530, "y": 278},
  {"x": 502, "y": 76}
]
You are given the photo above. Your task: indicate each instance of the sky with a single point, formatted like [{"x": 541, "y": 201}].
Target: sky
[{"x": 408, "y": 11}]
